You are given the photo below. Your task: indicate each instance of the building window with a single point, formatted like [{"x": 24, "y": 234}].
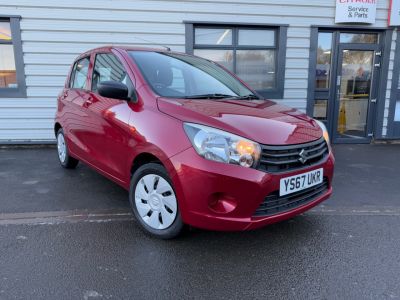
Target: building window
[
  {"x": 324, "y": 54},
  {"x": 12, "y": 77},
  {"x": 359, "y": 38},
  {"x": 320, "y": 109},
  {"x": 397, "y": 112},
  {"x": 256, "y": 53}
]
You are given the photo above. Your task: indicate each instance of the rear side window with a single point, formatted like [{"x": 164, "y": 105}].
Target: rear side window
[
  {"x": 79, "y": 74},
  {"x": 107, "y": 67}
]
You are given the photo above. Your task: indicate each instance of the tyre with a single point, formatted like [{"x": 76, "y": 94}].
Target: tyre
[
  {"x": 65, "y": 159},
  {"x": 154, "y": 203}
]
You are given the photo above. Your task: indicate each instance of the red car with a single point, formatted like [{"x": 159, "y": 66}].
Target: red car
[{"x": 192, "y": 143}]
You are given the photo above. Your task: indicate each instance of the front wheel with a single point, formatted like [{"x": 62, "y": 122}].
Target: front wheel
[
  {"x": 154, "y": 202},
  {"x": 65, "y": 159}
]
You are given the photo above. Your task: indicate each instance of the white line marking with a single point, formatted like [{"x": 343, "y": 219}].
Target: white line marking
[
  {"x": 57, "y": 217},
  {"x": 356, "y": 211},
  {"x": 114, "y": 215}
]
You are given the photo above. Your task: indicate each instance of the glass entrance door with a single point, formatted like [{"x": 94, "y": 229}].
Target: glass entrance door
[
  {"x": 354, "y": 93},
  {"x": 345, "y": 87}
]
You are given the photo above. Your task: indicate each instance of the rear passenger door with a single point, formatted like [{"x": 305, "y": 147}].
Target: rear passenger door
[
  {"x": 75, "y": 97},
  {"x": 110, "y": 135}
]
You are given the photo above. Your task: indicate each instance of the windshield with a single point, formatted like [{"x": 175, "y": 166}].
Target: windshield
[{"x": 183, "y": 76}]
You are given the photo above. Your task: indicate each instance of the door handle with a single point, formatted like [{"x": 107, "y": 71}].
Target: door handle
[
  {"x": 64, "y": 95},
  {"x": 88, "y": 102},
  {"x": 338, "y": 80}
]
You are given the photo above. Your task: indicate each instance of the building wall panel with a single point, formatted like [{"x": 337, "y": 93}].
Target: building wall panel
[{"x": 55, "y": 32}]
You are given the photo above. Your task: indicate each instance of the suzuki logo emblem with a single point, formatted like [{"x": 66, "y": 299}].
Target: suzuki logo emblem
[{"x": 303, "y": 156}]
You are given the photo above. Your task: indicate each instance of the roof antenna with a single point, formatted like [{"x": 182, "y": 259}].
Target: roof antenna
[{"x": 147, "y": 41}]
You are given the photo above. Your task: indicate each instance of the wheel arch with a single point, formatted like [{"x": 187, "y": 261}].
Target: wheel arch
[
  {"x": 57, "y": 127},
  {"x": 142, "y": 159},
  {"x": 156, "y": 156}
]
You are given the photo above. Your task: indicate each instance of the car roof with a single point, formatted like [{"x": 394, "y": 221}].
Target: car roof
[
  {"x": 134, "y": 48},
  {"x": 128, "y": 48}
]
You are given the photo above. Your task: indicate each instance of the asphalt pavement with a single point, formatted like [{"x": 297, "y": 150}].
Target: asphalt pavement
[{"x": 68, "y": 234}]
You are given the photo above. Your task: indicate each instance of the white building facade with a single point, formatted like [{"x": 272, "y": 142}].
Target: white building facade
[{"x": 343, "y": 72}]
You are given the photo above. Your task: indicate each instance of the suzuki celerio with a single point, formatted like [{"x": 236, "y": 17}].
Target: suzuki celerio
[{"x": 192, "y": 143}]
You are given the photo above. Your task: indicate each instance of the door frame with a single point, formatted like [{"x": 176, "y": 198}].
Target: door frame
[
  {"x": 385, "y": 42},
  {"x": 335, "y": 91}
]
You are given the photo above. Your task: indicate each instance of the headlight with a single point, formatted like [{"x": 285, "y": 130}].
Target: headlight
[
  {"x": 218, "y": 145},
  {"x": 325, "y": 131}
]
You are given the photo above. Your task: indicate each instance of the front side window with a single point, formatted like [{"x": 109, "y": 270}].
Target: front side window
[
  {"x": 253, "y": 53},
  {"x": 79, "y": 74},
  {"x": 184, "y": 76},
  {"x": 12, "y": 78},
  {"x": 107, "y": 67}
]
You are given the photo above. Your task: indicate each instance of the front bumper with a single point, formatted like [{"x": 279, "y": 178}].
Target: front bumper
[{"x": 218, "y": 196}]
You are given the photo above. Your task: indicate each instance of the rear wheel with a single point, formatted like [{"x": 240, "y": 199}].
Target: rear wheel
[
  {"x": 65, "y": 159},
  {"x": 154, "y": 202}
]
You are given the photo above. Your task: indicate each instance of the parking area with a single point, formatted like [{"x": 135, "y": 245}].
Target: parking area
[{"x": 69, "y": 234}]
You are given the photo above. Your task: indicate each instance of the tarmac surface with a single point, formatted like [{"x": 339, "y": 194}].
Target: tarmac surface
[{"x": 69, "y": 234}]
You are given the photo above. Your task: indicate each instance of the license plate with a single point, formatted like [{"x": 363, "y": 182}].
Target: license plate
[{"x": 300, "y": 182}]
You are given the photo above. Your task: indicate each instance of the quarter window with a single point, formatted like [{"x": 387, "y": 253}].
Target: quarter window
[
  {"x": 255, "y": 53},
  {"x": 12, "y": 78},
  {"x": 79, "y": 74}
]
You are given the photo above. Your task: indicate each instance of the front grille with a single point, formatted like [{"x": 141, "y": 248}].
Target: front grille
[
  {"x": 275, "y": 159},
  {"x": 274, "y": 204}
]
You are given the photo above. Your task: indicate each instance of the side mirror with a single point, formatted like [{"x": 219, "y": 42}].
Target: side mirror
[{"x": 113, "y": 89}]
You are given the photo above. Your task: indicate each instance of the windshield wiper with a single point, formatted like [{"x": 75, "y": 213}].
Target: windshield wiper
[
  {"x": 208, "y": 96},
  {"x": 246, "y": 97}
]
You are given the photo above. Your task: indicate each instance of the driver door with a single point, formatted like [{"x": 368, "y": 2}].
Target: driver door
[{"x": 109, "y": 134}]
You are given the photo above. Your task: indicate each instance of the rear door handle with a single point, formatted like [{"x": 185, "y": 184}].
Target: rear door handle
[{"x": 64, "y": 95}]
